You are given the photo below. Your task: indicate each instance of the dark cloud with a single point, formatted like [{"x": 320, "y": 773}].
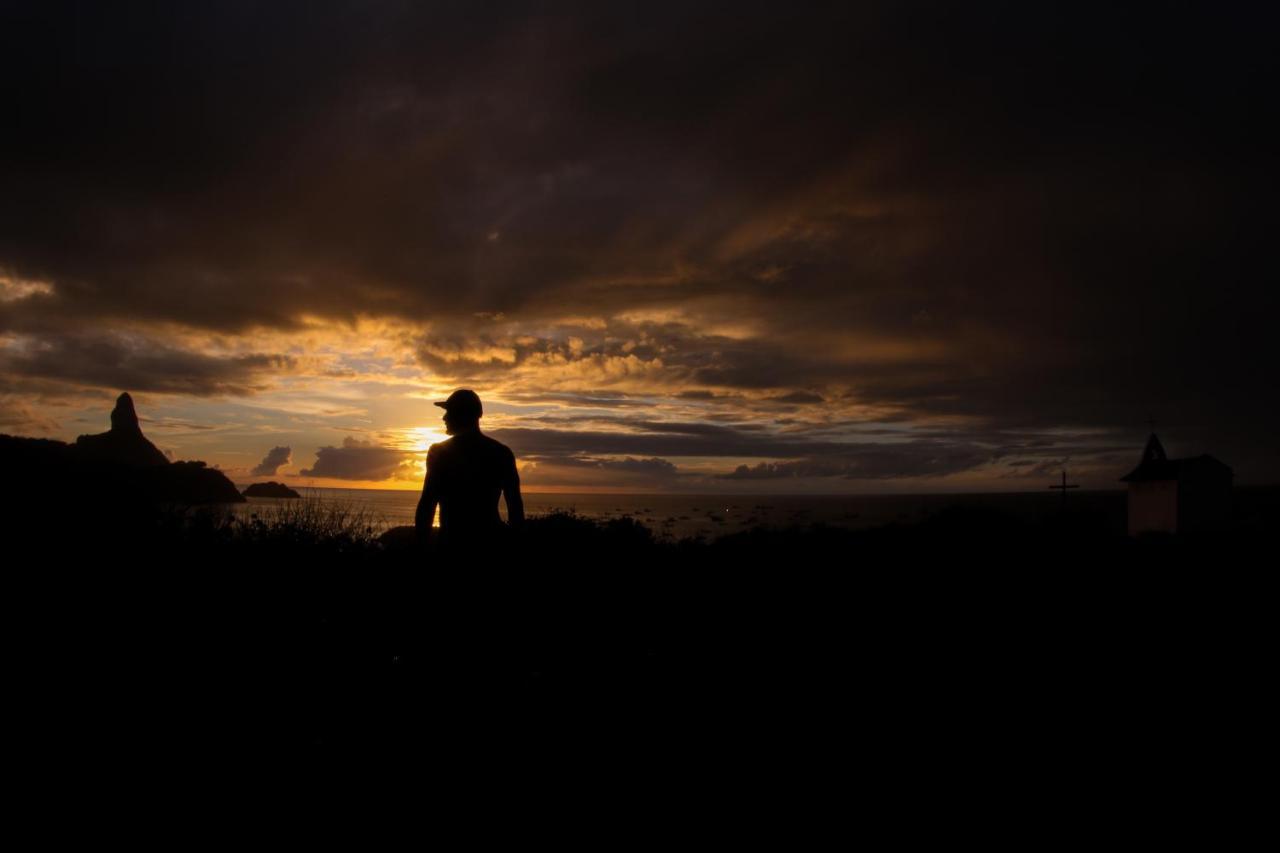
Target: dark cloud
[
  {"x": 116, "y": 361},
  {"x": 1029, "y": 215},
  {"x": 914, "y": 459},
  {"x": 567, "y": 470},
  {"x": 652, "y": 466},
  {"x": 586, "y": 399},
  {"x": 359, "y": 460},
  {"x": 276, "y": 458},
  {"x": 726, "y": 442},
  {"x": 802, "y": 398}
]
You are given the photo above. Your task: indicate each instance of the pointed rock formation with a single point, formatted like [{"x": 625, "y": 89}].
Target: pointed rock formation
[
  {"x": 124, "y": 443},
  {"x": 124, "y": 418}
]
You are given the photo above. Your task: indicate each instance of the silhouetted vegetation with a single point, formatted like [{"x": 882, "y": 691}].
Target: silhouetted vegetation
[{"x": 301, "y": 628}]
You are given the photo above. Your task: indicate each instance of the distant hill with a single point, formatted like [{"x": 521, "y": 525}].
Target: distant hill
[{"x": 270, "y": 490}]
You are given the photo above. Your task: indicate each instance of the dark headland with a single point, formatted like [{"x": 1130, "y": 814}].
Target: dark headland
[{"x": 116, "y": 470}]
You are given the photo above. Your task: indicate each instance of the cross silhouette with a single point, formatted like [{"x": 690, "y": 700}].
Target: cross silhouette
[{"x": 1064, "y": 488}]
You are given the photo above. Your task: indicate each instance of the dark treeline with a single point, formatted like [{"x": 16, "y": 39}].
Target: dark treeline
[{"x": 158, "y": 629}]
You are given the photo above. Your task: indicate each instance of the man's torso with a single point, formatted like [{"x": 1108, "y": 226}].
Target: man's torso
[{"x": 468, "y": 473}]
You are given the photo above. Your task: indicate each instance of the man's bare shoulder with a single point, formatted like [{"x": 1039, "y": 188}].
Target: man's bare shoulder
[{"x": 441, "y": 448}]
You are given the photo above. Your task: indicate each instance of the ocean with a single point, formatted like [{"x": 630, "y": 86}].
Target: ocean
[{"x": 679, "y": 516}]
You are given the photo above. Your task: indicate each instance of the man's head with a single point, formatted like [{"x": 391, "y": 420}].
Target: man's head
[{"x": 462, "y": 411}]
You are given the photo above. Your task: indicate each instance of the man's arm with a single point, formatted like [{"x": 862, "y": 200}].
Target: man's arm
[
  {"x": 426, "y": 513},
  {"x": 511, "y": 491}
]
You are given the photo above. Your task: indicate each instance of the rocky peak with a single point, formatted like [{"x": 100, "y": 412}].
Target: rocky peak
[
  {"x": 124, "y": 418},
  {"x": 124, "y": 442}
]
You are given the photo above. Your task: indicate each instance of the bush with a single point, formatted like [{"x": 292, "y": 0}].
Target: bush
[{"x": 311, "y": 520}]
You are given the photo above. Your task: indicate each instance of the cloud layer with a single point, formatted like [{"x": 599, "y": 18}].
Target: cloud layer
[{"x": 1007, "y": 234}]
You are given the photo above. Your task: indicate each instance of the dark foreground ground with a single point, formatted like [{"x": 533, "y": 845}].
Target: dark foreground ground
[{"x": 965, "y": 645}]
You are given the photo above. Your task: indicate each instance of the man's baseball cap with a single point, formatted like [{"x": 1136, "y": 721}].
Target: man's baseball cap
[{"x": 464, "y": 402}]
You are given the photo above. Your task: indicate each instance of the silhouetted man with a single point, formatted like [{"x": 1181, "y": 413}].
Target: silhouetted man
[{"x": 465, "y": 476}]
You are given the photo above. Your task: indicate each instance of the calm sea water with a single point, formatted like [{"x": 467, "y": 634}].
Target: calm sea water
[{"x": 680, "y": 516}]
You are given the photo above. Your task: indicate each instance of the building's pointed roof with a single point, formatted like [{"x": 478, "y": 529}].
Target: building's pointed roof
[{"x": 1156, "y": 465}]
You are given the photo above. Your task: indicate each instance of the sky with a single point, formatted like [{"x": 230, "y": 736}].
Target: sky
[{"x": 675, "y": 247}]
